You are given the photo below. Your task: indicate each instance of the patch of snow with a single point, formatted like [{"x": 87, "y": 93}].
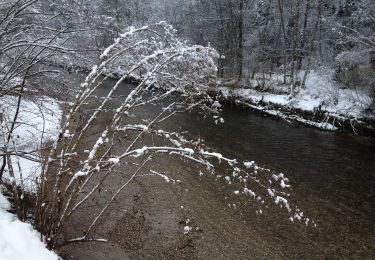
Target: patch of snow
[
  {"x": 282, "y": 202},
  {"x": 276, "y": 99},
  {"x": 38, "y": 122},
  {"x": 216, "y": 104},
  {"x": 189, "y": 151},
  {"x": 94, "y": 150},
  {"x": 165, "y": 177},
  {"x": 67, "y": 134},
  {"x": 187, "y": 230},
  {"x": 140, "y": 152},
  {"x": 114, "y": 160},
  {"x": 19, "y": 240},
  {"x": 80, "y": 174},
  {"x": 271, "y": 193},
  {"x": 249, "y": 192},
  {"x": 248, "y": 164},
  {"x": 321, "y": 92}
]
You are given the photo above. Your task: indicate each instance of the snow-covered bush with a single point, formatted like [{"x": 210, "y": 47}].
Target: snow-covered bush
[
  {"x": 170, "y": 74},
  {"x": 138, "y": 51},
  {"x": 174, "y": 79},
  {"x": 27, "y": 39},
  {"x": 171, "y": 66}
]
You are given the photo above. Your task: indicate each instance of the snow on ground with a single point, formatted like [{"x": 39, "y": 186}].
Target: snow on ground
[
  {"x": 38, "y": 123},
  {"x": 287, "y": 117},
  {"x": 18, "y": 240},
  {"x": 320, "y": 90}
]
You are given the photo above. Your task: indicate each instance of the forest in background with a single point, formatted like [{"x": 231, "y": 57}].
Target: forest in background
[{"x": 253, "y": 37}]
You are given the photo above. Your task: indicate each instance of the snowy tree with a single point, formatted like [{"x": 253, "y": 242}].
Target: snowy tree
[{"x": 168, "y": 72}]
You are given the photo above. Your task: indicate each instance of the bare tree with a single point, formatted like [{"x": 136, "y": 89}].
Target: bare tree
[
  {"x": 28, "y": 40},
  {"x": 170, "y": 68}
]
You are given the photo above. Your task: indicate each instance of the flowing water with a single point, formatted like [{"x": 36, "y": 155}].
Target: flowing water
[{"x": 332, "y": 177}]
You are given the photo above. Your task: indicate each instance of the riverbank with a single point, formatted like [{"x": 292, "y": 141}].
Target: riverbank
[
  {"x": 18, "y": 240},
  {"x": 322, "y": 120},
  {"x": 38, "y": 123},
  {"x": 320, "y": 104}
]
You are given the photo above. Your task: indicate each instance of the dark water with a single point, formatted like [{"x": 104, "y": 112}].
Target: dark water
[
  {"x": 337, "y": 166},
  {"x": 332, "y": 175}
]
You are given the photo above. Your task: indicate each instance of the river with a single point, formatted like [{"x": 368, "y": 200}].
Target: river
[{"x": 332, "y": 177}]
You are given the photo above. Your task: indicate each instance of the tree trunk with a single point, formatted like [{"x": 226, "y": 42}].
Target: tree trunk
[
  {"x": 282, "y": 24},
  {"x": 240, "y": 40},
  {"x": 304, "y": 35}
]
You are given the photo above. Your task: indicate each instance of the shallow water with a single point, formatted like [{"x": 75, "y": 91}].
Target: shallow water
[{"x": 332, "y": 177}]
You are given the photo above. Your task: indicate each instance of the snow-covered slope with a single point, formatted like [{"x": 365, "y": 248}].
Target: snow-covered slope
[
  {"x": 38, "y": 122},
  {"x": 321, "y": 93},
  {"x": 18, "y": 240}
]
